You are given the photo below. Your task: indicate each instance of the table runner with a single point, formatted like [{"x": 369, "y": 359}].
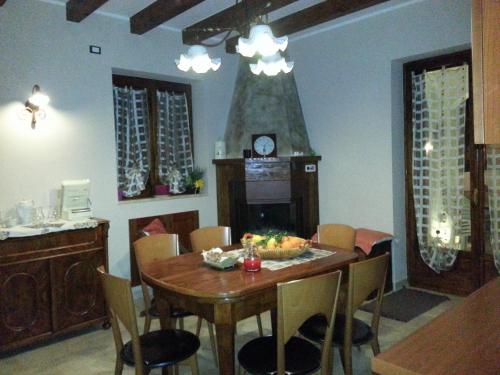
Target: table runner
[{"x": 274, "y": 264}]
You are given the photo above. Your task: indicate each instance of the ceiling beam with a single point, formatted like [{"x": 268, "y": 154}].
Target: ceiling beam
[
  {"x": 157, "y": 13},
  {"x": 310, "y": 17},
  {"x": 78, "y": 10},
  {"x": 234, "y": 17}
]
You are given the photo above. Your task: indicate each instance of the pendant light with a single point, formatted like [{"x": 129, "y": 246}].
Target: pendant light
[
  {"x": 271, "y": 65},
  {"x": 198, "y": 60},
  {"x": 262, "y": 41}
]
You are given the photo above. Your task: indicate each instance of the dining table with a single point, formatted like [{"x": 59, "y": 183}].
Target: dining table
[{"x": 224, "y": 297}]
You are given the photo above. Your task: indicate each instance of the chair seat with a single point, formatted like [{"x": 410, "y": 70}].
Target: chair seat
[
  {"x": 314, "y": 329},
  {"x": 259, "y": 356},
  {"x": 174, "y": 313},
  {"x": 163, "y": 348}
]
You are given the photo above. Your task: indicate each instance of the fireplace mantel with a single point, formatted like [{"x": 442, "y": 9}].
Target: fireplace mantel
[{"x": 247, "y": 187}]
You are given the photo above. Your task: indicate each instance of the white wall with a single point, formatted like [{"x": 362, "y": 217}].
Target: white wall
[
  {"x": 76, "y": 140},
  {"x": 348, "y": 79},
  {"x": 351, "y": 96}
]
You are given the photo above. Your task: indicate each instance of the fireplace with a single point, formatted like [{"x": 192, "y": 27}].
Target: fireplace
[{"x": 258, "y": 195}]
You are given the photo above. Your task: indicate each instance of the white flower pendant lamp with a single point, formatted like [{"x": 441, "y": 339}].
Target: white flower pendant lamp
[
  {"x": 197, "y": 59},
  {"x": 262, "y": 41},
  {"x": 271, "y": 65}
]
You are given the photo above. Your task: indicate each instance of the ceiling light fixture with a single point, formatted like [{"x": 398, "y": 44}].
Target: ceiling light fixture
[
  {"x": 34, "y": 105},
  {"x": 271, "y": 65},
  {"x": 262, "y": 41},
  {"x": 197, "y": 59}
]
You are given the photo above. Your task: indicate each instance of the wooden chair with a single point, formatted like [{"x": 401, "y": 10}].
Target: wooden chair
[
  {"x": 153, "y": 248},
  {"x": 364, "y": 278},
  {"x": 338, "y": 235},
  {"x": 207, "y": 238},
  {"x": 157, "y": 349},
  {"x": 285, "y": 353},
  {"x": 149, "y": 249}
]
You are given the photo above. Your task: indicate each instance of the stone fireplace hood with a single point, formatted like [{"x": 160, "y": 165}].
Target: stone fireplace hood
[{"x": 263, "y": 104}]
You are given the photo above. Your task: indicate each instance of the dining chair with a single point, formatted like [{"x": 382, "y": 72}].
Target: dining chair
[
  {"x": 338, "y": 235},
  {"x": 156, "y": 349},
  {"x": 364, "y": 278},
  {"x": 154, "y": 248},
  {"x": 207, "y": 238},
  {"x": 297, "y": 301}
]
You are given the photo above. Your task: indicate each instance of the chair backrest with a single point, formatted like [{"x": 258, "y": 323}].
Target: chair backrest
[
  {"x": 338, "y": 235},
  {"x": 364, "y": 278},
  {"x": 299, "y": 300},
  {"x": 120, "y": 306},
  {"x": 153, "y": 248},
  {"x": 208, "y": 237}
]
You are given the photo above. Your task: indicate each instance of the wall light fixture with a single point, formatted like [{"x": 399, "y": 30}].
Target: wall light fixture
[{"x": 34, "y": 105}]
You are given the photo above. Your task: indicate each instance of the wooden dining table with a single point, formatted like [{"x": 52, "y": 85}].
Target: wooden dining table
[
  {"x": 225, "y": 297},
  {"x": 464, "y": 340}
]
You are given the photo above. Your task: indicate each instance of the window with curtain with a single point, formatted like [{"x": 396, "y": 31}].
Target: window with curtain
[{"x": 154, "y": 137}]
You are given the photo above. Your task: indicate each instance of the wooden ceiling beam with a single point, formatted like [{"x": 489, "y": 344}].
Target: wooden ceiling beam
[
  {"x": 234, "y": 17},
  {"x": 310, "y": 17},
  {"x": 78, "y": 10},
  {"x": 157, "y": 13}
]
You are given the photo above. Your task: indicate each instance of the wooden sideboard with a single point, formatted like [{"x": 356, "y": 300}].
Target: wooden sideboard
[{"x": 49, "y": 285}]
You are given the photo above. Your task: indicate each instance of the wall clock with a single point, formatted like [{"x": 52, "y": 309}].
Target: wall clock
[{"x": 264, "y": 146}]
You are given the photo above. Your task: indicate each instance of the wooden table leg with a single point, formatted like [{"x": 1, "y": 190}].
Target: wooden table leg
[
  {"x": 163, "y": 310},
  {"x": 274, "y": 321},
  {"x": 225, "y": 331}
]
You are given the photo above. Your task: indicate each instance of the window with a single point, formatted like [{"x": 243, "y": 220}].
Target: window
[{"x": 154, "y": 135}]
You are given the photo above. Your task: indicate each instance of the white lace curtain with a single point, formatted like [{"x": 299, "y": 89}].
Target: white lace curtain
[
  {"x": 492, "y": 180},
  {"x": 132, "y": 139},
  {"x": 175, "y": 150},
  {"x": 441, "y": 210}
]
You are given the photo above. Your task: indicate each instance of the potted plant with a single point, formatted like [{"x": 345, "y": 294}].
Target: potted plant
[{"x": 194, "y": 181}]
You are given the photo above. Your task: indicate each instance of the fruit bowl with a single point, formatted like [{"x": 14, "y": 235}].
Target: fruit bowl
[
  {"x": 279, "y": 253},
  {"x": 276, "y": 245}
]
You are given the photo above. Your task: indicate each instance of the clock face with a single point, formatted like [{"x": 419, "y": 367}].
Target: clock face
[{"x": 264, "y": 145}]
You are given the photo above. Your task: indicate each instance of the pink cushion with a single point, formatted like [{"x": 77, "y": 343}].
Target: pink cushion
[{"x": 155, "y": 227}]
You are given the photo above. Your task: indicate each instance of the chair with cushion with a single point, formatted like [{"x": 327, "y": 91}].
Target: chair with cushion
[
  {"x": 288, "y": 354},
  {"x": 364, "y": 278},
  {"x": 207, "y": 238},
  {"x": 157, "y": 349},
  {"x": 158, "y": 247},
  {"x": 338, "y": 235}
]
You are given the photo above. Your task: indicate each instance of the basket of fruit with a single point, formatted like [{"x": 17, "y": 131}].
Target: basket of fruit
[{"x": 277, "y": 245}]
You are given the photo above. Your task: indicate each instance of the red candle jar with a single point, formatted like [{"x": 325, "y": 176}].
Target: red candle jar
[{"x": 251, "y": 262}]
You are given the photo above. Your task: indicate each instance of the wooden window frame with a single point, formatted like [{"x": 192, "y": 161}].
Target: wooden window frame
[{"x": 151, "y": 85}]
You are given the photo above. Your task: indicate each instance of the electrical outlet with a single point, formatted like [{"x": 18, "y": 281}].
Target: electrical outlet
[{"x": 310, "y": 168}]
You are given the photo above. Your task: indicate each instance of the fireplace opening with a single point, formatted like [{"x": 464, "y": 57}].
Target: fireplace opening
[{"x": 262, "y": 218}]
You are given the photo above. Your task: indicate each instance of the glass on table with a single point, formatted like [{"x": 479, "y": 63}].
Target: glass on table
[{"x": 251, "y": 260}]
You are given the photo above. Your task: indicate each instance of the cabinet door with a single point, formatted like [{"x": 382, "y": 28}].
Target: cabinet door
[
  {"x": 77, "y": 292},
  {"x": 24, "y": 301}
]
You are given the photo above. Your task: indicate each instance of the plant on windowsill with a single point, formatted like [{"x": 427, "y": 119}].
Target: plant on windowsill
[{"x": 194, "y": 181}]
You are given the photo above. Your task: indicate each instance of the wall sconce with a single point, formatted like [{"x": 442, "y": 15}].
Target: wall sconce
[{"x": 34, "y": 105}]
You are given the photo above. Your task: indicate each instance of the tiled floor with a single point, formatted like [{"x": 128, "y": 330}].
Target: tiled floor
[{"x": 93, "y": 352}]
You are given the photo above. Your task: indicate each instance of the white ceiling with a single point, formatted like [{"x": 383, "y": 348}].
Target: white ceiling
[
  {"x": 127, "y": 8},
  {"x": 124, "y": 9}
]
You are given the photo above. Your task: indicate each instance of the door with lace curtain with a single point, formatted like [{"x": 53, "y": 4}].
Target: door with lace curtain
[{"x": 444, "y": 232}]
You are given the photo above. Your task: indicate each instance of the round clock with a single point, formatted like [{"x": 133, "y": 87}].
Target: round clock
[{"x": 264, "y": 145}]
